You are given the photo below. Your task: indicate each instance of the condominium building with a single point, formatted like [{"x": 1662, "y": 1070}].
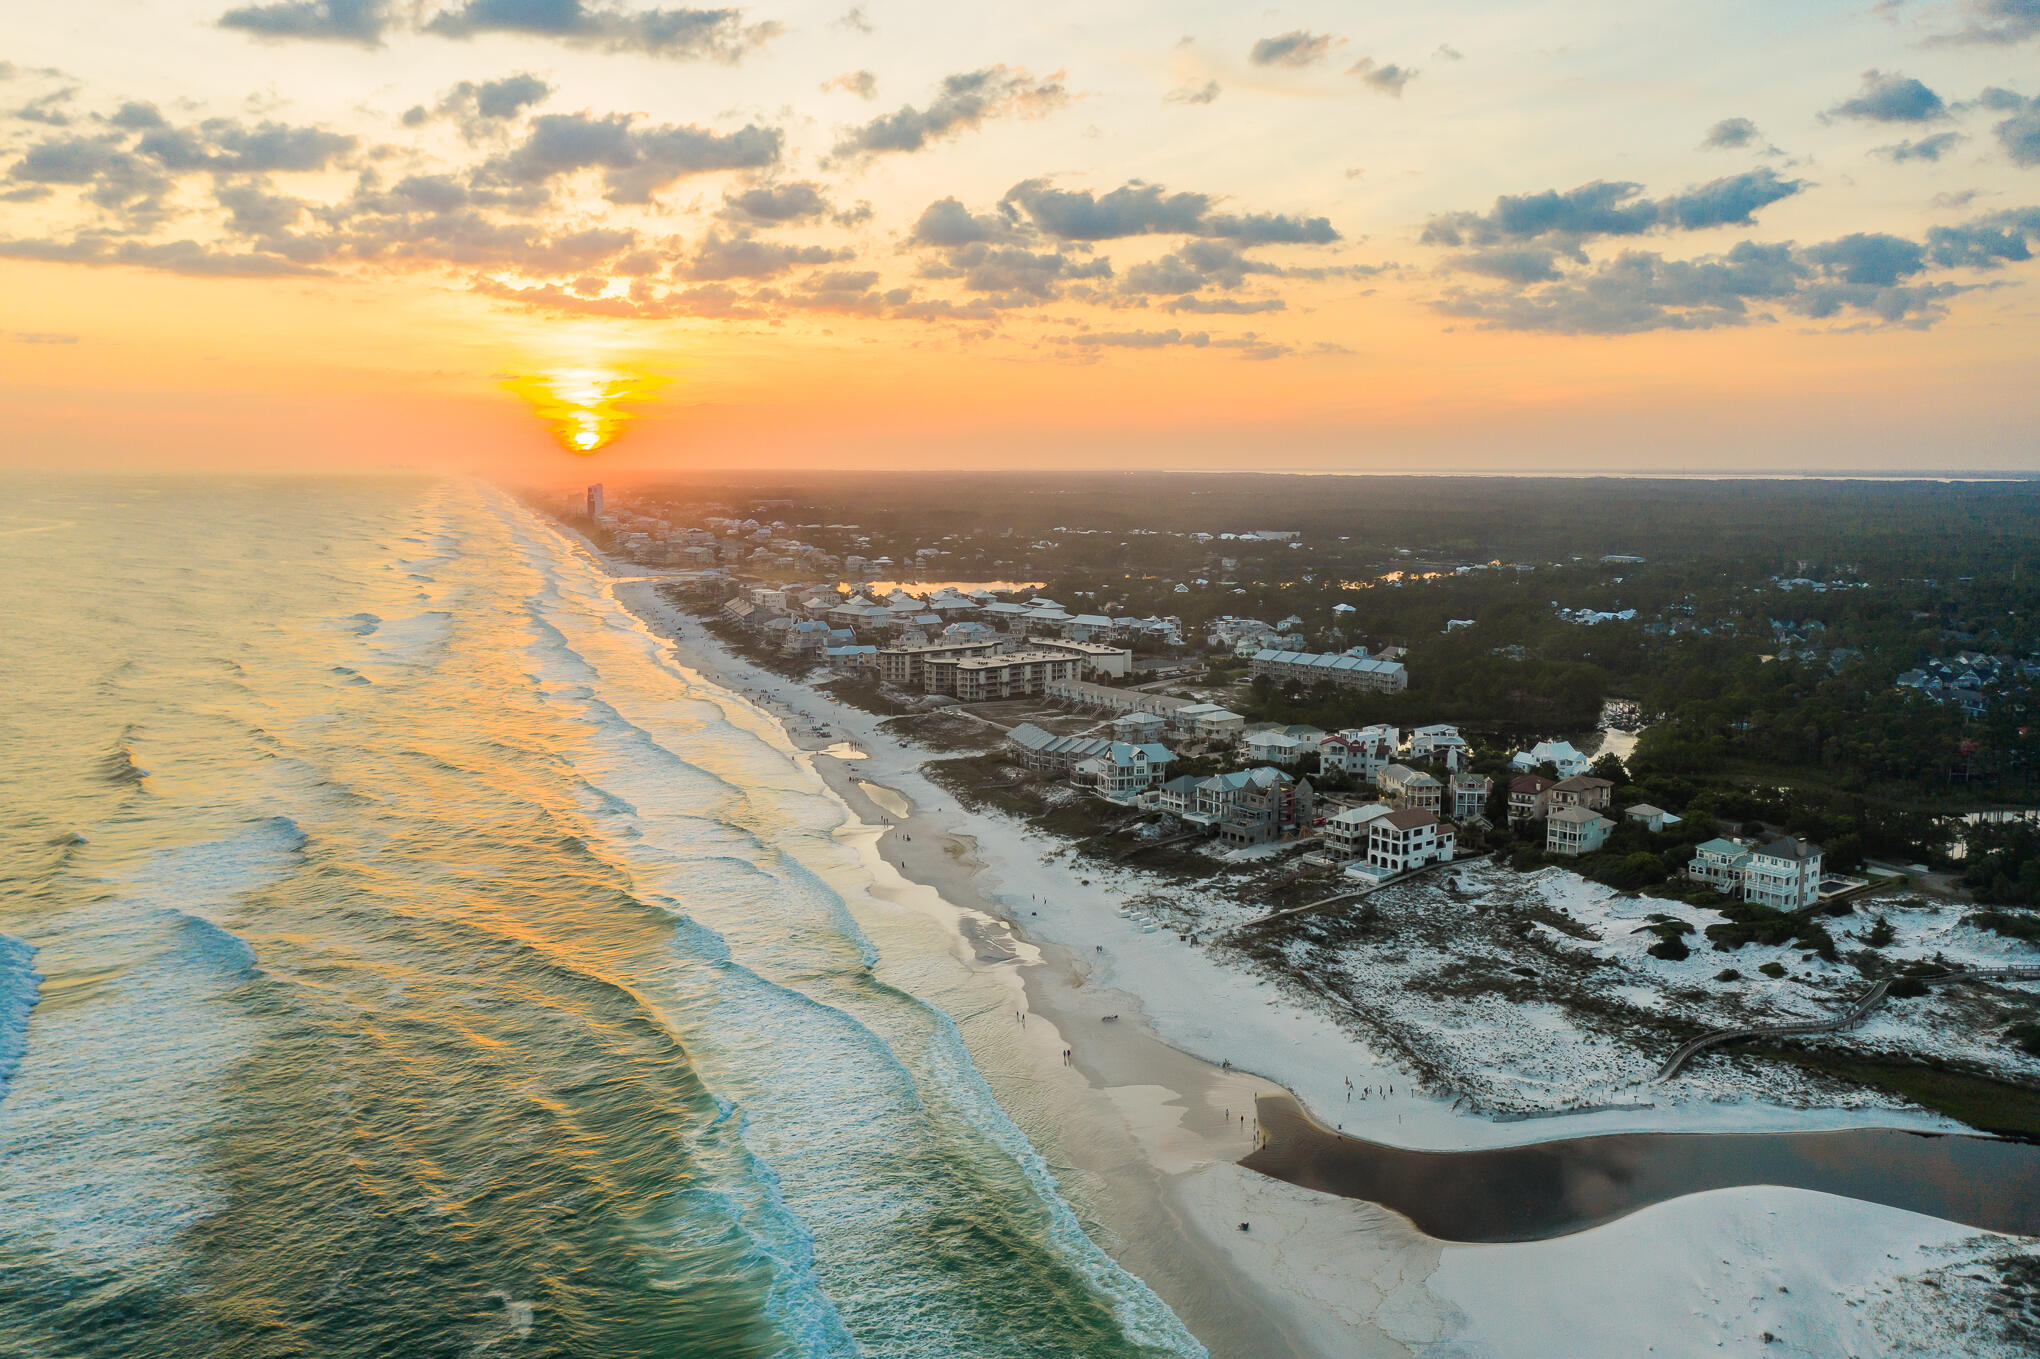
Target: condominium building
[
  {"x": 983, "y": 679},
  {"x": 1098, "y": 658},
  {"x": 907, "y": 666},
  {"x": 1343, "y": 669}
]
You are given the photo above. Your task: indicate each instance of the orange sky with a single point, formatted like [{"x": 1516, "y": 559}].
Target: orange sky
[{"x": 1305, "y": 264}]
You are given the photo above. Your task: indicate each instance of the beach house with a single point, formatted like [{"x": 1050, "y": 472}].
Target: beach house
[
  {"x": 1573, "y": 831},
  {"x": 1783, "y": 874},
  {"x": 1405, "y": 838},
  {"x": 1407, "y": 787}
]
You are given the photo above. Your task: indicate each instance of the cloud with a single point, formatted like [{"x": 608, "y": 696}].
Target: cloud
[
  {"x": 47, "y": 109},
  {"x": 1249, "y": 345},
  {"x": 1989, "y": 242},
  {"x": 1873, "y": 277},
  {"x": 863, "y": 84},
  {"x": 1733, "y": 201},
  {"x": 1736, "y": 134},
  {"x": 179, "y": 257},
  {"x": 635, "y": 161},
  {"x": 1140, "y": 209},
  {"x": 1447, "y": 52},
  {"x": 774, "y": 203},
  {"x": 1888, "y": 97},
  {"x": 1195, "y": 266},
  {"x": 42, "y": 337},
  {"x": 961, "y": 102},
  {"x": 1388, "y": 79},
  {"x": 2019, "y": 134},
  {"x": 1997, "y": 22},
  {"x": 1012, "y": 270},
  {"x": 1872, "y": 257},
  {"x": 1225, "y": 306},
  {"x": 1612, "y": 208},
  {"x": 1512, "y": 264},
  {"x": 1925, "y": 148},
  {"x": 722, "y": 257},
  {"x": 854, "y": 20},
  {"x": 1294, "y": 48},
  {"x": 716, "y": 34},
  {"x": 1730, "y": 134},
  {"x": 947, "y": 223},
  {"x": 355, "y": 21},
  {"x": 1193, "y": 93},
  {"x": 253, "y": 210}
]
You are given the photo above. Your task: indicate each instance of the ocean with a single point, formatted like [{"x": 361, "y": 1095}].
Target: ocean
[{"x": 401, "y": 955}]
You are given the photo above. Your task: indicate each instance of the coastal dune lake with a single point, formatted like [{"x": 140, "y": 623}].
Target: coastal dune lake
[{"x": 1546, "y": 1189}]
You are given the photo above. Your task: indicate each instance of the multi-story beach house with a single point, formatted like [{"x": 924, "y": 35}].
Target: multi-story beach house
[
  {"x": 1265, "y": 809},
  {"x": 1407, "y": 787},
  {"x": 1138, "y": 728},
  {"x": 1783, "y": 874},
  {"x": 1404, "y": 839},
  {"x": 1582, "y": 790},
  {"x": 1361, "y": 752},
  {"x": 1439, "y": 744},
  {"x": 1575, "y": 830},
  {"x": 1123, "y": 770},
  {"x": 1720, "y": 863},
  {"x": 1345, "y": 834},
  {"x": 1529, "y": 797},
  {"x": 1561, "y": 755},
  {"x": 1469, "y": 794},
  {"x": 1274, "y": 747},
  {"x": 1206, "y": 722}
]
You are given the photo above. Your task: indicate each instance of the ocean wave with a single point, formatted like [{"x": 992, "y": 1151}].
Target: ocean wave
[
  {"x": 20, "y": 986},
  {"x": 118, "y": 766}
]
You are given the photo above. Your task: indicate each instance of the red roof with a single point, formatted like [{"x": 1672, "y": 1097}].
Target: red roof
[{"x": 1529, "y": 783}]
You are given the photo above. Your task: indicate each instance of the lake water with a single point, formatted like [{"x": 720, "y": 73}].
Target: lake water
[{"x": 1547, "y": 1189}]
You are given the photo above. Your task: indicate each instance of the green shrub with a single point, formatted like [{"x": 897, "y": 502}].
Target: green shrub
[{"x": 1773, "y": 970}]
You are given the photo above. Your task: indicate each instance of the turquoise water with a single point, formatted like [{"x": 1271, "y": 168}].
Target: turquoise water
[{"x": 399, "y": 956}]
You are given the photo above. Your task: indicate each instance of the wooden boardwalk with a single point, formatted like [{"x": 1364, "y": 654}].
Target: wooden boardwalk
[{"x": 1848, "y": 1019}]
